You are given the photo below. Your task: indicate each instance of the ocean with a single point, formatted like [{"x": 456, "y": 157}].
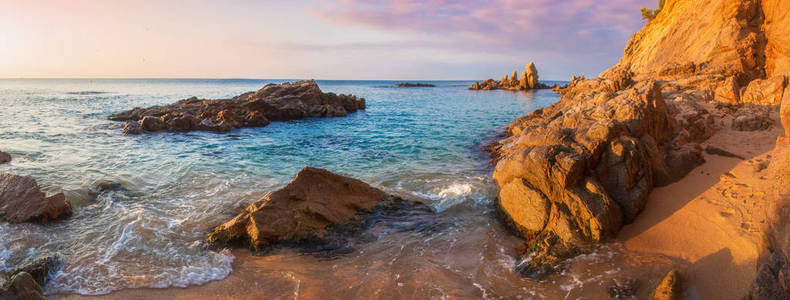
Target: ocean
[{"x": 422, "y": 143}]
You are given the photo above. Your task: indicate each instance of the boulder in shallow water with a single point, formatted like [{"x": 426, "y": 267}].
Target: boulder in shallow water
[
  {"x": 39, "y": 267},
  {"x": 21, "y": 200},
  {"x": 21, "y": 286},
  {"x": 305, "y": 209},
  {"x": 4, "y": 157}
]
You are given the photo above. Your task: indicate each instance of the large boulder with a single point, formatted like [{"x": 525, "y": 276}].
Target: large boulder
[
  {"x": 4, "y": 157},
  {"x": 766, "y": 92},
  {"x": 571, "y": 174},
  {"x": 305, "y": 209},
  {"x": 21, "y": 200},
  {"x": 273, "y": 102}
]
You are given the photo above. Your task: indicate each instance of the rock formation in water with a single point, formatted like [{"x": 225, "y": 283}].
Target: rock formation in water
[
  {"x": 4, "y": 157},
  {"x": 21, "y": 200},
  {"x": 306, "y": 209},
  {"x": 24, "y": 282},
  {"x": 572, "y": 174},
  {"x": 528, "y": 81},
  {"x": 273, "y": 102}
]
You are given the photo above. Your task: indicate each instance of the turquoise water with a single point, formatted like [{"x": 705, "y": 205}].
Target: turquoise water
[{"x": 416, "y": 142}]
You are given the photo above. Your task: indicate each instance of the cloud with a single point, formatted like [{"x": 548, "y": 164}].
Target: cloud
[{"x": 568, "y": 31}]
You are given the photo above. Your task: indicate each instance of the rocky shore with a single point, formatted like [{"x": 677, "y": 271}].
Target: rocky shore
[
  {"x": 529, "y": 81},
  {"x": 273, "y": 102},
  {"x": 572, "y": 174},
  {"x": 316, "y": 208}
]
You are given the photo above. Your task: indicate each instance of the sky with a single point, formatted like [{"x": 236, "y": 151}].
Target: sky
[{"x": 340, "y": 39}]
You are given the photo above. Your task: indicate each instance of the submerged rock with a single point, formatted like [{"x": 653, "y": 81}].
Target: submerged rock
[
  {"x": 529, "y": 81},
  {"x": 4, "y": 157},
  {"x": 308, "y": 208},
  {"x": 21, "y": 200},
  {"x": 273, "y": 102}
]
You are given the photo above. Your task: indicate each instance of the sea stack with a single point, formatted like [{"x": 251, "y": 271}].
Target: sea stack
[{"x": 528, "y": 81}]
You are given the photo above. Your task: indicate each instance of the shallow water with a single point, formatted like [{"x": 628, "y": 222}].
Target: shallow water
[{"x": 416, "y": 142}]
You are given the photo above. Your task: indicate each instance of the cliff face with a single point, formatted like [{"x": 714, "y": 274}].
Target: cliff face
[{"x": 572, "y": 174}]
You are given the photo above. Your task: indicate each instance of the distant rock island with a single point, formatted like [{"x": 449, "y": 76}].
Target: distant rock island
[
  {"x": 273, "y": 102},
  {"x": 408, "y": 84},
  {"x": 529, "y": 81}
]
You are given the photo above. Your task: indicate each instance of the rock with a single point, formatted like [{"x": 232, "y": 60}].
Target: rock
[
  {"x": 4, "y": 157},
  {"x": 305, "y": 209},
  {"x": 571, "y": 174},
  {"x": 530, "y": 77},
  {"x": 752, "y": 121},
  {"x": 151, "y": 123},
  {"x": 273, "y": 102},
  {"x": 407, "y": 84},
  {"x": 728, "y": 92},
  {"x": 696, "y": 37},
  {"x": 132, "y": 127},
  {"x": 529, "y": 80},
  {"x": 766, "y": 92},
  {"x": 39, "y": 267},
  {"x": 669, "y": 288},
  {"x": 21, "y": 200},
  {"x": 21, "y": 287}
]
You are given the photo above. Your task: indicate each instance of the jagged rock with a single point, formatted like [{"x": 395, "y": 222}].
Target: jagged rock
[
  {"x": 21, "y": 200},
  {"x": 21, "y": 286},
  {"x": 4, "y": 157},
  {"x": 273, "y": 102},
  {"x": 765, "y": 91},
  {"x": 669, "y": 288},
  {"x": 303, "y": 210},
  {"x": 529, "y": 80}
]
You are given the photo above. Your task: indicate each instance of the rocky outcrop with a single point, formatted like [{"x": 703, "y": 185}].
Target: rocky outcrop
[
  {"x": 306, "y": 209},
  {"x": 528, "y": 81},
  {"x": 21, "y": 200},
  {"x": 571, "y": 174},
  {"x": 4, "y": 157},
  {"x": 752, "y": 120},
  {"x": 273, "y": 102}
]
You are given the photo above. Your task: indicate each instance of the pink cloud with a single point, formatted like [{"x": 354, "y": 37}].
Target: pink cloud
[{"x": 565, "y": 29}]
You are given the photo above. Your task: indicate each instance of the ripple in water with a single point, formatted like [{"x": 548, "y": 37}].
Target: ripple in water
[{"x": 420, "y": 143}]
